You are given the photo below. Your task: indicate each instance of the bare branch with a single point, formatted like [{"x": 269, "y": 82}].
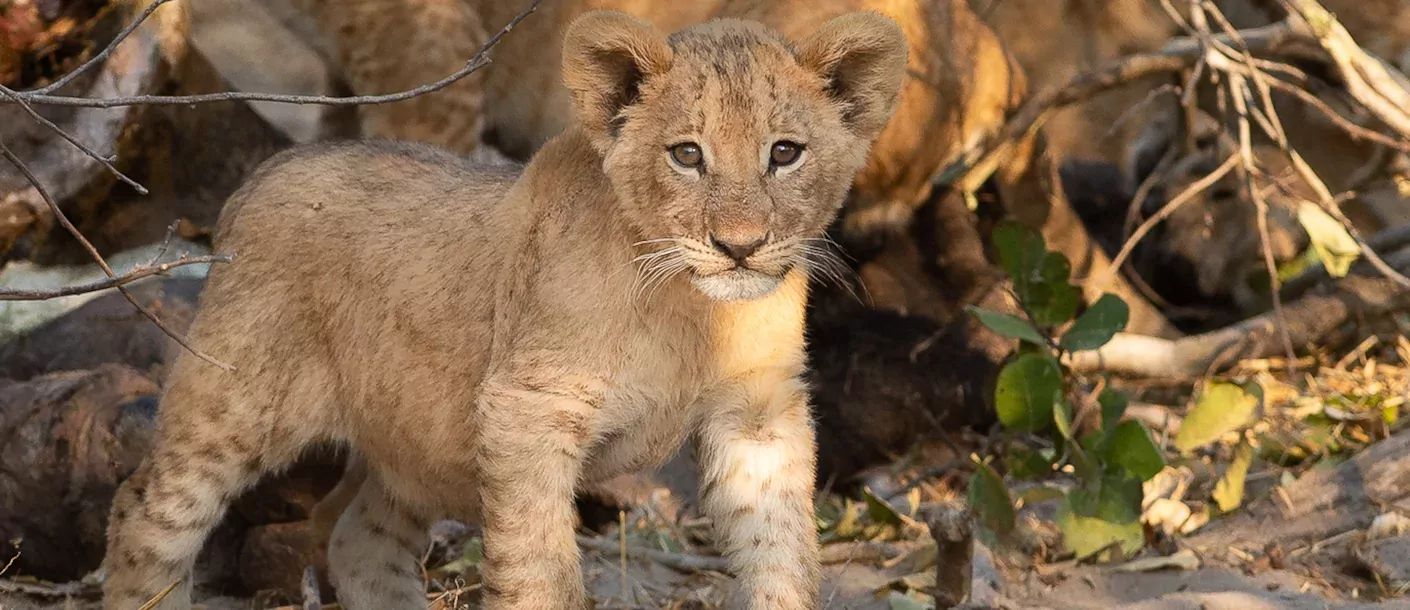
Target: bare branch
[
  {"x": 1310, "y": 319},
  {"x": 78, "y": 235},
  {"x": 136, "y": 273},
  {"x": 15, "y": 96},
  {"x": 1356, "y": 132},
  {"x": 1367, "y": 78},
  {"x": 479, "y": 60}
]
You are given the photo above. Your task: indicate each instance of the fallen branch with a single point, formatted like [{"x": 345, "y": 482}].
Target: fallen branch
[
  {"x": 1309, "y": 320},
  {"x": 1323, "y": 503}
]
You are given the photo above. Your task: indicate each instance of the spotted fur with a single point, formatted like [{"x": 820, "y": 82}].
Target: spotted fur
[{"x": 486, "y": 342}]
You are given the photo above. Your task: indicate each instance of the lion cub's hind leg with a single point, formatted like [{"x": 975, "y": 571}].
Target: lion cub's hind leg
[
  {"x": 375, "y": 550},
  {"x": 213, "y": 442}
]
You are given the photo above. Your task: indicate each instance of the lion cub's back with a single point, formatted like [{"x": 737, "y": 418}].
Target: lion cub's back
[
  {"x": 333, "y": 240},
  {"x": 379, "y": 182}
]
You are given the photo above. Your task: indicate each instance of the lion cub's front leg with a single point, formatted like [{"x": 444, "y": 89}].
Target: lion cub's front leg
[
  {"x": 756, "y": 453},
  {"x": 531, "y": 451}
]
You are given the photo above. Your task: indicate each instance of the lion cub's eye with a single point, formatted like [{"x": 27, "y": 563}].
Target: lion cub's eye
[
  {"x": 687, "y": 155},
  {"x": 785, "y": 153}
]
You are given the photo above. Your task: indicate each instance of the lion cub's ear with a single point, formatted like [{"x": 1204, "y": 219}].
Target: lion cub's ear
[
  {"x": 606, "y": 55},
  {"x": 862, "y": 56}
]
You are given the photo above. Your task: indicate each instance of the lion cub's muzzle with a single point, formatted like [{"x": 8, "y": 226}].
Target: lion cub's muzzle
[{"x": 741, "y": 268}]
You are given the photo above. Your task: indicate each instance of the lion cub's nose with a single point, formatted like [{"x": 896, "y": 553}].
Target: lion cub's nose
[{"x": 737, "y": 250}]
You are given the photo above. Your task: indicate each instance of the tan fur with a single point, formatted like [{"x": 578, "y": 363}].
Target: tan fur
[
  {"x": 1055, "y": 40},
  {"x": 488, "y": 344},
  {"x": 960, "y": 87}
]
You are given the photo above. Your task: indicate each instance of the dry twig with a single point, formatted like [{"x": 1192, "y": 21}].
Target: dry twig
[{"x": 1184, "y": 197}]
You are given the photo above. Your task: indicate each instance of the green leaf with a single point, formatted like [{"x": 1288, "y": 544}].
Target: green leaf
[
  {"x": 1057, "y": 303},
  {"x": 1007, "y": 325},
  {"x": 1040, "y": 278},
  {"x": 1229, "y": 491},
  {"x": 991, "y": 500},
  {"x": 1132, "y": 448},
  {"x": 1222, "y": 408},
  {"x": 1085, "y": 536},
  {"x": 1021, "y": 252},
  {"x": 1027, "y": 389},
  {"x": 472, "y": 554},
  {"x": 1062, "y": 418},
  {"x": 1097, "y": 325},
  {"x": 1095, "y": 442},
  {"x": 1092, "y": 521},
  {"x": 1024, "y": 463},
  {"x": 1113, "y": 405},
  {"x": 1334, "y": 245},
  {"x": 880, "y": 510},
  {"x": 1040, "y": 494}
]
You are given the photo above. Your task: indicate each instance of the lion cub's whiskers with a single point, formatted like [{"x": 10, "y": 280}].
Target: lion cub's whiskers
[
  {"x": 645, "y": 242},
  {"x": 654, "y": 267},
  {"x": 824, "y": 263},
  {"x": 668, "y": 271}
]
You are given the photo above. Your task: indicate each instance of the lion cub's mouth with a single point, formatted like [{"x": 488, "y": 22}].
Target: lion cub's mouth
[{"x": 737, "y": 284}]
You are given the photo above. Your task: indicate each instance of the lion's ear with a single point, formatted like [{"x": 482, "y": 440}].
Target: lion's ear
[
  {"x": 862, "y": 57},
  {"x": 606, "y": 55}
]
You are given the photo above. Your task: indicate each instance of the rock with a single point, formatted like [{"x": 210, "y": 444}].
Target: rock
[
  {"x": 66, "y": 441},
  {"x": 107, "y": 329}
]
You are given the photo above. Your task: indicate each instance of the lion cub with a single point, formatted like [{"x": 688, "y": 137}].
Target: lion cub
[{"x": 486, "y": 343}]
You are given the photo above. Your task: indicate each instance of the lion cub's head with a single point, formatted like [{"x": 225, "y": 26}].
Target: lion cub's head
[{"x": 729, "y": 148}]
